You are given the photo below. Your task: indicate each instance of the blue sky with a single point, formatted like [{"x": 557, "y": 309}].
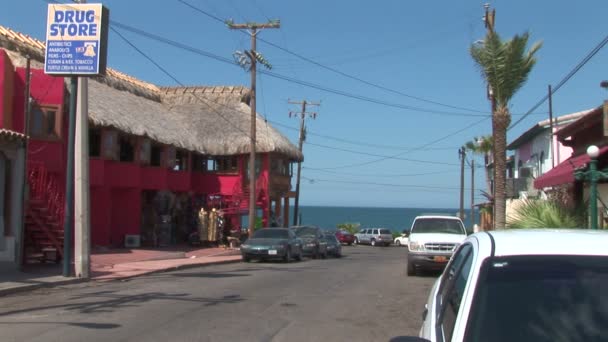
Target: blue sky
[{"x": 417, "y": 48}]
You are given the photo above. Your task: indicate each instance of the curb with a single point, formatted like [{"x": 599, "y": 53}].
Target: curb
[
  {"x": 70, "y": 281},
  {"x": 167, "y": 269},
  {"x": 31, "y": 287}
]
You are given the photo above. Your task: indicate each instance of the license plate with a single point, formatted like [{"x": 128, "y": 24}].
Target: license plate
[
  {"x": 440, "y": 259},
  {"x": 272, "y": 252}
]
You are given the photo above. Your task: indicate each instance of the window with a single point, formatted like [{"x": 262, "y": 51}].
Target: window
[
  {"x": 375, "y": 232},
  {"x": 127, "y": 151},
  {"x": 199, "y": 162},
  {"x": 181, "y": 160},
  {"x": 280, "y": 167},
  {"x": 94, "y": 142},
  {"x": 451, "y": 291},
  {"x": 155, "y": 154},
  {"x": 45, "y": 123},
  {"x": 438, "y": 225},
  {"x": 541, "y": 298},
  {"x": 223, "y": 164}
]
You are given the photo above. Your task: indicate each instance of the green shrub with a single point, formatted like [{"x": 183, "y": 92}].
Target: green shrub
[
  {"x": 349, "y": 227},
  {"x": 546, "y": 214}
]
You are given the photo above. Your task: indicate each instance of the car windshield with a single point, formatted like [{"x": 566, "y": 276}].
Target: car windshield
[
  {"x": 271, "y": 234},
  {"x": 438, "y": 225},
  {"x": 330, "y": 238},
  {"x": 385, "y": 231},
  {"x": 306, "y": 231},
  {"x": 541, "y": 298}
]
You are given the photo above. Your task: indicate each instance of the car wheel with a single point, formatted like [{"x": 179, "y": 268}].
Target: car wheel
[
  {"x": 246, "y": 258},
  {"x": 287, "y": 257},
  {"x": 397, "y": 243},
  {"x": 411, "y": 269},
  {"x": 350, "y": 243},
  {"x": 372, "y": 242}
]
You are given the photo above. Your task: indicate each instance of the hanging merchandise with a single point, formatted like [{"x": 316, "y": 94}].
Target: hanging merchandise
[
  {"x": 203, "y": 225},
  {"x": 213, "y": 225}
]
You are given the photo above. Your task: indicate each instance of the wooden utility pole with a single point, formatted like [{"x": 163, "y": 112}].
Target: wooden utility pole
[
  {"x": 472, "y": 192},
  {"x": 489, "y": 19},
  {"x": 253, "y": 57},
  {"x": 553, "y": 152},
  {"x": 301, "y": 139},
  {"x": 462, "y": 156}
]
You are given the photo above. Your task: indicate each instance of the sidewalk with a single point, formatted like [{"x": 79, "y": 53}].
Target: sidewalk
[{"x": 114, "y": 264}]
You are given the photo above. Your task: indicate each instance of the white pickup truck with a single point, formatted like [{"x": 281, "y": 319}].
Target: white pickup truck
[{"x": 432, "y": 242}]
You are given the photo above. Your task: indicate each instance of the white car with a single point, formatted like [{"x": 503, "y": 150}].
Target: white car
[
  {"x": 432, "y": 240},
  {"x": 522, "y": 285},
  {"x": 403, "y": 239}
]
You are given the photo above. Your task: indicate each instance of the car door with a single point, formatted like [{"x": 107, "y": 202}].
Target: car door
[
  {"x": 295, "y": 243},
  {"x": 366, "y": 235},
  {"x": 322, "y": 242},
  {"x": 451, "y": 292}
]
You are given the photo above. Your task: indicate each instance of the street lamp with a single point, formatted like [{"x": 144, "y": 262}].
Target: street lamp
[{"x": 592, "y": 175}]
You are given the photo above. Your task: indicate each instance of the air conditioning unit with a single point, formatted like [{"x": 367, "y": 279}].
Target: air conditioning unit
[{"x": 132, "y": 241}]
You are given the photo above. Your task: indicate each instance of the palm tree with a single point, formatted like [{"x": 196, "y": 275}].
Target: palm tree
[
  {"x": 483, "y": 146},
  {"x": 505, "y": 66}
]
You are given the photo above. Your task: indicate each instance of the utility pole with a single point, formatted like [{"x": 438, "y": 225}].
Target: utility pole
[
  {"x": 472, "y": 192},
  {"x": 253, "y": 58},
  {"x": 302, "y": 137},
  {"x": 553, "y": 152},
  {"x": 489, "y": 20},
  {"x": 82, "y": 217},
  {"x": 462, "y": 155}
]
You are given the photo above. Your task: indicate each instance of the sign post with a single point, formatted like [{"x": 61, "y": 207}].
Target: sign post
[{"x": 76, "y": 45}]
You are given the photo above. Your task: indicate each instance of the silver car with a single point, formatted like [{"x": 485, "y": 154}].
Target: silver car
[{"x": 374, "y": 236}]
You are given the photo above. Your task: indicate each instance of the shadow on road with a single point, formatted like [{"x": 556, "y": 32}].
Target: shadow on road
[
  {"x": 88, "y": 325},
  {"x": 111, "y": 301}
]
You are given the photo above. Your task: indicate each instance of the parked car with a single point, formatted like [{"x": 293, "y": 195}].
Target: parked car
[
  {"x": 403, "y": 239},
  {"x": 522, "y": 285},
  {"x": 374, "y": 236},
  {"x": 313, "y": 243},
  {"x": 334, "y": 247},
  {"x": 272, "y": 243},
  {"x": 432, "y": 242},
  {"x": 345, "y": 237}
]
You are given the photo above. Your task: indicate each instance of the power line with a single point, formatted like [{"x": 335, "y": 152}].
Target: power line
[
  {"x": 563, "y": 81},
  {"x": 377, "y": 175},
  {"x": 175, "y": 79},
  {"x": 353, "y": 142},
  {"x": 382, "y": 156},
  {"x": 287, "y": 78},
  {"x": 335, "y": 70},
  {"x": 413, "y": 186},
  {"x": 410, "y": 150}
]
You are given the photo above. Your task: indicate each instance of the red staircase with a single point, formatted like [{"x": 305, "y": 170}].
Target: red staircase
[
  {"x": 44, "y": 216},
  {"x": 238, "y": 201}
]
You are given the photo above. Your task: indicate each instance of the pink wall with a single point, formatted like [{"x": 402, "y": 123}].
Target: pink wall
[
  {"x": 561, "y": 152},
  {"x": 101, "y": 216}
]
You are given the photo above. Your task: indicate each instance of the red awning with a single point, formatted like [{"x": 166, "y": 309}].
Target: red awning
[{"x": 564, "y": 172}]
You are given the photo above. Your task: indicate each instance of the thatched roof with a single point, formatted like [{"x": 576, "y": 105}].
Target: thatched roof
[
  {"x": 209, "y": 120},
  {"x": 220, "y": 120}
]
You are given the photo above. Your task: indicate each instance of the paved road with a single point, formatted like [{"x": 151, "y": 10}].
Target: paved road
[{"x": 364, "y": 296}]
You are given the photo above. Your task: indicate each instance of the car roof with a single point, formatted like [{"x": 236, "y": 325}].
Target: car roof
[
  {"x": 438, "y": 216},
  {"x": 512, "y": 242}
]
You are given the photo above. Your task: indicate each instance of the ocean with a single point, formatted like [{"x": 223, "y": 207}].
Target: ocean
[{"x": 396, "y": 219}]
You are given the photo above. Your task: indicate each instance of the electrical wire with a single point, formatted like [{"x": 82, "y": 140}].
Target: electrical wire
[
  {"x": 563, "y": 81},
  {"x": 335, "y": 70},
  {"x": 413, "y": 186},
  {"x": 379, "y": 175},
  {"x": 408, "y": 151},
  {"x": 382, "y": 156},
  {"x": 166, "y": 72}
]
